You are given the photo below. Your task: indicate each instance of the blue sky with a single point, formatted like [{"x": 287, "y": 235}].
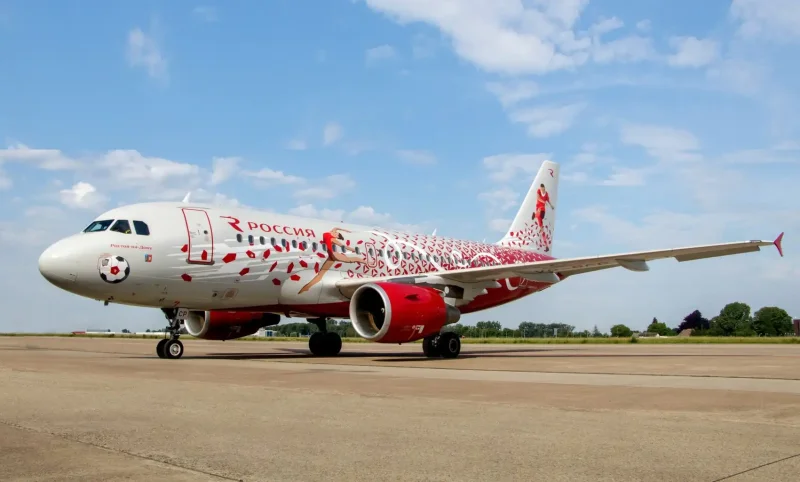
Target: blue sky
[{"x": 674, "y": 123}]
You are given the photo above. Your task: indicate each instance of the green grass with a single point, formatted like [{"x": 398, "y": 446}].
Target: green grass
[{"x": 526, "y": 341}]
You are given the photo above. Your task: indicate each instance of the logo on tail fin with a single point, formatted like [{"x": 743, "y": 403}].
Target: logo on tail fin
[{"x": 551, "y": 173}]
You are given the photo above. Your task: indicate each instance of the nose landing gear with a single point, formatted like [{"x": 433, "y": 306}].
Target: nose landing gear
[{"x": 171, "y": 347}]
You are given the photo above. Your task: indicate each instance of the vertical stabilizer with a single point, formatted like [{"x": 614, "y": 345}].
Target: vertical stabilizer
[{"x": 535, "y": 223}]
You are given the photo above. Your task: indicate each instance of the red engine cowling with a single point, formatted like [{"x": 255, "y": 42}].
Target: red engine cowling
[
  {"x": 227, "y": 325},
  {"x": 399, "y": 313}
]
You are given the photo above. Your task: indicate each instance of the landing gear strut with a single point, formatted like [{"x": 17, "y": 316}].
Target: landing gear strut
[
  {"x": 324, "y": 342},
  {"x": 445, "y": 345},
  {"x": 171, "y": 347}
]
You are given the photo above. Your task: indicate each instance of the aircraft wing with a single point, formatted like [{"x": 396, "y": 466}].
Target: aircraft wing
[{"x": 552, "y": 271}]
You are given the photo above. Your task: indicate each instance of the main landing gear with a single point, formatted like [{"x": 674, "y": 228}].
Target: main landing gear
[
  {"x": 324, "y": 342},
  {"x": 171, "y": 347},
  {"x": 444, "y": 345}
]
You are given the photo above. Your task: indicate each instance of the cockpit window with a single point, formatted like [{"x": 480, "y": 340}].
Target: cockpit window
[
  {"x": 122, "y": 226},
  {"x": 98, "y": 226},
  {"x": 141, "y": 228}
]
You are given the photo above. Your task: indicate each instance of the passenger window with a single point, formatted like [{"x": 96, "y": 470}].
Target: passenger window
[
  {"x": 141, "y": 228},
  {"x": 284, "y": 243},
  {"x": 294, "y": 243},
  {"x": 314, "y": 246},
  {"x": 251, "y": 240},
  {"x": 358, "y": 251},
  {"x": 121, "y": 226},
  {"x": 98, "y": 226},
  {"x": 239, "y": 238},
  {"x": 262, "y": 240},
  {"x": 406, "y": 255},
  {"x": 324, "y": 247},
  {"x": 370, "y": 251}
]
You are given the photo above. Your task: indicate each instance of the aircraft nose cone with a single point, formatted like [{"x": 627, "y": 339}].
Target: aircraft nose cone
[{"x": 57, "y": 266}]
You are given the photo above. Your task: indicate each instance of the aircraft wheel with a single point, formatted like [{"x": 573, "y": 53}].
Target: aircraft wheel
[
  {"x": 333, "y": 343},
  {"x": 449, "y": 345},
  {"x": 173, "y": 348},
  {"x": 430, "y": 348},
  {"x": 160, "y": 348},
  {"x": 316, "y": 344}
]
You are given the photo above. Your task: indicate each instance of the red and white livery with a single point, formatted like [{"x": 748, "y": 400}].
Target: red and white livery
[{"x": 224, "y": 273}]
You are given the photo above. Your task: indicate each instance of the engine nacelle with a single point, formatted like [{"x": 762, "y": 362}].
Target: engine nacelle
[
  {"x": 227, "y": 325},
  {"x": 399, "y": 313}
]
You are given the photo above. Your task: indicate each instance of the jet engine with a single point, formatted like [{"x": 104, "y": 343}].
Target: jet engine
[
  {"x": 399, "y": 313},
  {"x": 227, "y": 325}
]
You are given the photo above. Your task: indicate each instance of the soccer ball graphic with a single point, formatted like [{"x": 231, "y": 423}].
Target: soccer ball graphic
[{"x": 114, "y": 269}]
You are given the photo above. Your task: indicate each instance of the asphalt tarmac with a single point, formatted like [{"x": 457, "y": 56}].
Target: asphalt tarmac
[{"x": 93, "y": 409}]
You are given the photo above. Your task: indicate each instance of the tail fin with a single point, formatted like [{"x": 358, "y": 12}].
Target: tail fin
[{"x": 535, "y": 223}]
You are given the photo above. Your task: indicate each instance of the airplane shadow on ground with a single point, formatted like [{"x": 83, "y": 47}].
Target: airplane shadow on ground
[{"x": 417, "y": 356}]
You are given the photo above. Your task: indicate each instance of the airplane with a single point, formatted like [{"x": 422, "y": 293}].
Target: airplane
[{"x": 221, "y": 273}]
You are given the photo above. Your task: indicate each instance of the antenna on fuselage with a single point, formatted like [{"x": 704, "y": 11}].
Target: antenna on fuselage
[{"x": 186, "y": 198}]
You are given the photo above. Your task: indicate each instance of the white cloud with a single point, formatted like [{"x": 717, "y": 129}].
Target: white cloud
[
  {"x": 381, "y": 52},
  {"x": 416, "y": 156},
  {"x": 512, "y": 92},
  {"x": 269, "y": 176},
  {"x": 129, "y": 168},
  {"x": 365, "y": 215},
  {"x": 517, "y": 38},
  {"x": 223, "y": 169},
  {"x": 771, "y": 19},
  {"x": 508, "y": 167},
  {"x": 549, "y": 120},
  {"x": 328, "y": 188},
  {"x": 624, "y": 176},
  {"x": 499, "y": 225},
  {"x": 664, "y": 143},
  {"x": 738, "y": 75},
  {"x": 144, "y": 51},
  {"x": 605, "y": 26},
  {"x": 297, "y": 145},
  {"x": 49, "y": 159},
  {"x": 626, "y": 49},
  {"x": 331, "y": 133},
  {"x": 778, "y": 154},
  {"x": 309, "y": 211},
  {"x": 205, "y": 13},
  {"x": 5, "y": 181},
  {"x": 644, "y": 25},
  {"x": 692, "y": 52},
  {"x": 501, "y": 199},
  {"x": 82, "y": 195}
]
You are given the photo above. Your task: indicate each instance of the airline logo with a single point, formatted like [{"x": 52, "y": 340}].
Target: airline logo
[{"x": 235, "y": 223}]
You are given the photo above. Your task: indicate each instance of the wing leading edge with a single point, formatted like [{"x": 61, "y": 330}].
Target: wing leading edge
[{"x": 554, "y": 270}]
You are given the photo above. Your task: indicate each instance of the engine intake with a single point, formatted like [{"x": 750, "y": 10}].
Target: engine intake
[
  {"x": 399, "y": 313},
  {"x": 227, "y": 325}
]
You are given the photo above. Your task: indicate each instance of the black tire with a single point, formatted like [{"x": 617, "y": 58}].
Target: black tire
[
  {"x": 160, "y": 348},
  {"x": 316, "y": 344},
  {"x": 449, "y": 345},
  {"x": 333, "y": 344},
  {"x": 173, "y": 348},
  {"x": 430, "y": 348}
]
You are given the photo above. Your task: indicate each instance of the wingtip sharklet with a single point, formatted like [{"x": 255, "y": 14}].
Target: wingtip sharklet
[{"x": 779, "y": 244}]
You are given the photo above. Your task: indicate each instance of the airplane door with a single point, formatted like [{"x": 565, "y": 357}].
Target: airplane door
[{"x": 201, "y": 236}]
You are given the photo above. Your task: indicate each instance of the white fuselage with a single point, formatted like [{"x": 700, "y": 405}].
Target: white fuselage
[{"x": 211, "y": 258}]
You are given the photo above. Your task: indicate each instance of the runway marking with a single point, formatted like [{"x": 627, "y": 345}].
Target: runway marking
[
  {"x": 118, "y": 451},
  {"x": 605, "y": 379},
  {"x": 758, "y": 467}
]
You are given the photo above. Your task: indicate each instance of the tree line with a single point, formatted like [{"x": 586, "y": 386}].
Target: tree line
[{"x": 735, "y": 319}]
